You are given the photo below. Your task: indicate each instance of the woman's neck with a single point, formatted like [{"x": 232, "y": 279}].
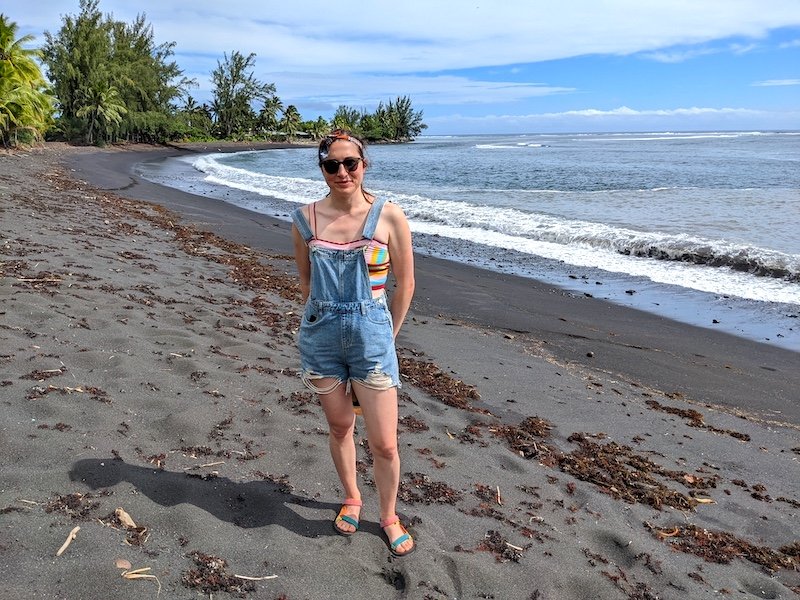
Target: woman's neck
[{"x": 348, "y": 203}]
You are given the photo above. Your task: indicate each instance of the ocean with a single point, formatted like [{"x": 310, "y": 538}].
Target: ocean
[{"x": 698, "y": 227}]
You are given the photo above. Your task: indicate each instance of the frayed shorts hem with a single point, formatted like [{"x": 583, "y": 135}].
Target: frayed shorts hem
[{"x": 375, "y": 380}]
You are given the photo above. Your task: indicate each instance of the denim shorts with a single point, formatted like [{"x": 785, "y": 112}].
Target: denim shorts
[{"x": 348, "y": 341}]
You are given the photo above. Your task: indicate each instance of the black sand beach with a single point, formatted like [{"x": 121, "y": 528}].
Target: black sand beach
[{"x": 554, "y": 446}]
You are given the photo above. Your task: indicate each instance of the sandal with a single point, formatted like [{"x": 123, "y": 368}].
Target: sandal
[
  {"x": 343, "y": 516},
  {"x": 403, "y": 538}
]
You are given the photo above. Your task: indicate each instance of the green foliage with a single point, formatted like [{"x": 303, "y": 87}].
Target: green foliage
[
  {"x": 111, "y": 76},
  {"x": 289, "y": 125},
  {"x": 102, "y": 107},
  {"x": 346, "y": 117},
  {"x": 267, "y": 120},
  {"x": 395, "y": 121},
  {"x": 26, "y": 105},
  {"x": 235, "y": 90}
]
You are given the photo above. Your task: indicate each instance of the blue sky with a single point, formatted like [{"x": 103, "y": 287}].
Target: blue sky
[{"x": 494, "y": 66}]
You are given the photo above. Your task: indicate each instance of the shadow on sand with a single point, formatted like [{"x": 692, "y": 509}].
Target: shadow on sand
[{"x": 247, "y": 504}]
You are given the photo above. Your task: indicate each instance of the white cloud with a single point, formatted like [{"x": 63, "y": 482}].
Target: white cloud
[
  {"x": 679, "y": 56},
  {"x": 776, "y": 82},
  {"x": 622, "y": 118},
  {"x": 370, "y": 89},
  {"x": 424, "y": 36}
]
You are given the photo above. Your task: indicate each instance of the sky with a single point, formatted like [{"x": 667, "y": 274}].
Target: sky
[{"x": 492, "y": 66}]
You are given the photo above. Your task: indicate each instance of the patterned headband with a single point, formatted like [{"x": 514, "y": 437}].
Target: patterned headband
[{"x": 337, "y": 135}]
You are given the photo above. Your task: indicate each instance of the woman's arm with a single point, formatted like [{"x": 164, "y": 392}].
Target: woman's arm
[
  {"x": 303, "y": 264},
  {"x": 401, "y": 254}
]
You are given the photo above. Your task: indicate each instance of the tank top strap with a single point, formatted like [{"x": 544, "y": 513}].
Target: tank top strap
[
  {"x": 372, "y": 218},
  {"x": 302, "y": 224}
]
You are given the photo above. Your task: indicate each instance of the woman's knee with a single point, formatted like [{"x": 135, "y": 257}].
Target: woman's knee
[
  {"x": 386, "y": 450},
  {"x": 341, "y": 430}
]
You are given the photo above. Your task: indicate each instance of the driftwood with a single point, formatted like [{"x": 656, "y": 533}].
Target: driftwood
[{"x": 72, "y": 535}]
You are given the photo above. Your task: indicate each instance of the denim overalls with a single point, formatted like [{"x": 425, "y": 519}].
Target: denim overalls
[{"x": 346, "y": 334}]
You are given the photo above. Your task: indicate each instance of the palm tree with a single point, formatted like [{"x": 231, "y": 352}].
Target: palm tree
[
  {"x": 290, "y": 123},
  {"x": 319, "y": 128},
  {"x": 25, "y": 104},
  {"x": 268, "y": 115},
  {"x": 103, "y": 109}
]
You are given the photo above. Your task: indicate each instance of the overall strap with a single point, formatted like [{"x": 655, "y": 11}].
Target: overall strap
[
  {"x": 302, "y": 225},
  {"x": 372, "y": 218}
]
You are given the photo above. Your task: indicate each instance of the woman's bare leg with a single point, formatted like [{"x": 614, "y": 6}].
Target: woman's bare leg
[
  {"x": 338, "y": 408},
  {"x": 380, "y": 415}
]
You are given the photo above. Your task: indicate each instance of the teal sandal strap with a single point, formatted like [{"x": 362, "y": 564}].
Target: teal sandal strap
[
  {"x": 348, "y": 519},
  {"x": 400, "y": 540}
]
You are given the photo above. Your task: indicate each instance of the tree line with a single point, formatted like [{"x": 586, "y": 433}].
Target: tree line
[{"x": 111, "y": 82}]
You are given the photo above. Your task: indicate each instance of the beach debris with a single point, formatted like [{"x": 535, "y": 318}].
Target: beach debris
[
  {"x": 623, "y": 474},
  {"x": 280, "y": 481},
  {"x": 486, "y": 493},
  {"x": 142, "y": 573},
  {"x": 211, "y": 575},
  {"x": 413, "y": 424},
  {"x": 136, "y": 534},
  {"x": 695, "y": 419},
  {"x": 41, "y": 375},
  {"x": 526, "y": 438},
  {"x": 121, "y": 563},
  {"x": 722, "y": 547},
  {"x": 72, "y": 535},
  {"x": 438, "y": 384},
  {"x": 502, "y": 549},
  {"x": 37, "y": 392},
  {"x": 76, "y": 506},
  {"x": 124, "y": 518},
  {"x": 418, "y": 487}
]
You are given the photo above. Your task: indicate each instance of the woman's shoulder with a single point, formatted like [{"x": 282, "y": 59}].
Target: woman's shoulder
[{"x": 392, "y": 211}]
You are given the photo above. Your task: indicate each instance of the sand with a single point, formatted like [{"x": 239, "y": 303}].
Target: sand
[{"x": 553, "y": 446}]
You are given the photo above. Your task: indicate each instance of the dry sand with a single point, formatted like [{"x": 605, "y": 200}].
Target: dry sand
[{"x": 149, "y": 364}]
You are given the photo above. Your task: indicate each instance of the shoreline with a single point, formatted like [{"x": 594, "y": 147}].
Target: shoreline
[
  {"x": 149, "y": 365},
  {"x": 630, "y": 344}
]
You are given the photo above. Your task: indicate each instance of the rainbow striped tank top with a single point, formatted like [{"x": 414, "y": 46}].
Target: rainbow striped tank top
[{"x": 376, "y": 254}]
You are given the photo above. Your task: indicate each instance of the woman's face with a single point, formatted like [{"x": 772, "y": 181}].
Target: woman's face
[{"x": 344, "y": 181}]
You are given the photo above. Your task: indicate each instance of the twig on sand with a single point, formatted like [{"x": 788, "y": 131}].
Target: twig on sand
[
  {"x": 72, "y": 535},
  {"x": 141, "y": 574},
  {"x": 256, "y": 578}
]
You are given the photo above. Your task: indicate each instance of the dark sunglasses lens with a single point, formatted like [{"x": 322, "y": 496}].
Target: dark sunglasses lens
[{"x": 351, "y": 164}]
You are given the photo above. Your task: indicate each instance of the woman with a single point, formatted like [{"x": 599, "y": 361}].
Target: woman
[{"x": 343, "y": 247}]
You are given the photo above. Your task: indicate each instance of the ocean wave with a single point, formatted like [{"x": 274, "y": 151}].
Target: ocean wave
[
  {"x": 509, "y": 146},
  {"x": 756, "y": 261}
]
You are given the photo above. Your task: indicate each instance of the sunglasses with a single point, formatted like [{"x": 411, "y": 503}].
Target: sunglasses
[{"x": 331, "y": 166}]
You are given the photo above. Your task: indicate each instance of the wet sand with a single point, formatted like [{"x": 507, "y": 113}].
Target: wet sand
[{"x": 553, "y": 445}]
